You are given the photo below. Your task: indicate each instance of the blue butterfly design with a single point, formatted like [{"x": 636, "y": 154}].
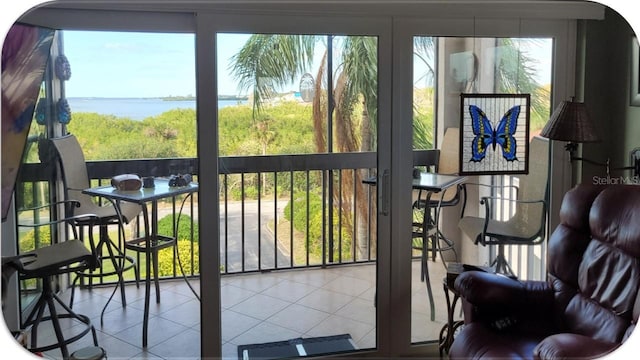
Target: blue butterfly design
[{"x": 485, "y": 135}]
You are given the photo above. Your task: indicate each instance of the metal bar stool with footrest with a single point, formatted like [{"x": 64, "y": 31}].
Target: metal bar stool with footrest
[
  {"x": 76, "y": 179},
  {"x": 46, "y": 263}
]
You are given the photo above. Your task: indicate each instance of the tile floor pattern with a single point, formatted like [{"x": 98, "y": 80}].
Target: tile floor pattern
[{"x": 256, "y": 308}]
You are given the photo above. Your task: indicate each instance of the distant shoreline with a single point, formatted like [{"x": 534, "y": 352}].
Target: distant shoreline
[
  {"x": 193, "y": 98},
  {"x": 137, "y": 108},
  {"x": 164, "y": 98}
]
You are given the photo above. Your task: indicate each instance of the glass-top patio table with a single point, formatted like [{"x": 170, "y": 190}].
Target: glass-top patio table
[{"x": 151, "y": 242}]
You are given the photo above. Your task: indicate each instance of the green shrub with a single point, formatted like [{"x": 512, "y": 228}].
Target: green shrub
[
  {"x": 300, "y": 215},
  {"x": 165, "y": 259},
  {"x": 28, "y": 240},
  {"x": 315, "y": 224}
]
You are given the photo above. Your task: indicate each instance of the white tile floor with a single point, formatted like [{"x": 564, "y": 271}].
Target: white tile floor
[{"x": 256, "y": 308}]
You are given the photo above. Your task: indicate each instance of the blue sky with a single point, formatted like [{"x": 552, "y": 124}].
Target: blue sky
[
  {"x": 121, "y": 64},
  {"x": 109, "y": 64},
  {"x": 133, "y": 64}
]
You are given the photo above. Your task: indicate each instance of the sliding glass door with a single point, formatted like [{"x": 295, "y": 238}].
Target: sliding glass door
[
  {"x": 444, "y": 68},
  {"x": 517, "y": 60},
  {"x": 298, "y": 122}
]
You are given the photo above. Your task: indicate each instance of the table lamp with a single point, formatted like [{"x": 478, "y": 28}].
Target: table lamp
[{"x": 570, "y": 122}]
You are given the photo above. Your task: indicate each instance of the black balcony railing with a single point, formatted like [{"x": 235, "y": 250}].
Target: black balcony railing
[
  {"x": 276, "y": 212},
  {"x": 293, "y": 211}
]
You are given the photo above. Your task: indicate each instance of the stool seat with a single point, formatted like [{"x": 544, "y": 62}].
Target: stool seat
[
  {"x": 46, "y": 264},
  {"x": 89, "y": 353},
  {"x": 57, "y": 259}
]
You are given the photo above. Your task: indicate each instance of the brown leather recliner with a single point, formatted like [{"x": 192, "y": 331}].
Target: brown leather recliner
[{"x": 590, "y": 302}]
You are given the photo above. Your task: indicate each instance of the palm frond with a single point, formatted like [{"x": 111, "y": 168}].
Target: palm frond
[{"x": 267, "y": 62}]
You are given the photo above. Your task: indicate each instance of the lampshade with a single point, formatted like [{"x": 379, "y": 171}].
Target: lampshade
[{"x": 570, "y": 122}]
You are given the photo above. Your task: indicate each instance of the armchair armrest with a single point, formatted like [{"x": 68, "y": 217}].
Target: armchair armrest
[
  {"x": 498, "y": 294},
  {"x": 473, "y": 285},
  {"x": 572, "y": 346}
]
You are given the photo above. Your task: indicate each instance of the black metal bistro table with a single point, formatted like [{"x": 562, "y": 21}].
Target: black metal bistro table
[
  {"x": 431, "y": 183},
  {"x": 151, "y": 242}
]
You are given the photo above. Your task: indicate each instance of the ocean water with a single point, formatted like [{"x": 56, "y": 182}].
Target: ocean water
[{"x": 136, "y": 108}]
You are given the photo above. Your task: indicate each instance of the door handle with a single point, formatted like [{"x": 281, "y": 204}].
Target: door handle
[{"x": 384, "y": 206}]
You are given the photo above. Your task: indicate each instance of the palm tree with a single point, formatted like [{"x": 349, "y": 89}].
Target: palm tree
[
  {"x": 266, "y": 62},
  {"x": 423, "y": 47},
  {"x": 516, "y": 74},
  {"x": 269, "y": 61}
]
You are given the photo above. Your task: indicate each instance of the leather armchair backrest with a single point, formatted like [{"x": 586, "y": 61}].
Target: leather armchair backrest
[{"x": 594, "y": 261}]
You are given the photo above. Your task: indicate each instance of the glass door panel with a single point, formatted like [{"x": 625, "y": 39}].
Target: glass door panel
[
  {"x": 126, "y": 96},
  {"x": 444, "y": 68},
  {"x": 297, "y": 118}
]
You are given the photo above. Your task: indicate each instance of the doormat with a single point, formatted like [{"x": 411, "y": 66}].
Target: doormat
[{"x": 296, "y": 347}]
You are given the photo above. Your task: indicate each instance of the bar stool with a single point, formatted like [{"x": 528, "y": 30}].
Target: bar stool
[
  {"x": 76, "y": 179},
  {"x": 46, "y": 263}
]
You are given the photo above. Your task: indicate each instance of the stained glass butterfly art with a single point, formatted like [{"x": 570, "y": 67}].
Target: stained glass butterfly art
[{"x": 486, "y": 135}]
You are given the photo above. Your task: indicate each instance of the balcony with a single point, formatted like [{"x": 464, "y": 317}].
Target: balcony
[{"x": 269, "y": 293}]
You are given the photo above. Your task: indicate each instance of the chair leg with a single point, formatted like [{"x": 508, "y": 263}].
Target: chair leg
[
  {"x": 450, "y": 246},
  {"x": 104, "y": 308},
  {"x": 155, "y": 275},
  {"x": 434, "y": 240},
  {"x": 429, "y": 291},
  {"x": 119, "y": 268},
  {"x": 48, "y": 299},
  {"x": 500, "y": 263},
  {"x": 423, "y": 261},
  {"x": 136, "y": 270},
  {"x": 425, "y": 277},
  {"x": 119, "y": 260},
  {"x": 37, "y": 311},
  {"x": 56, "y": 327},
  {"x": 73, "y": 290}
]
